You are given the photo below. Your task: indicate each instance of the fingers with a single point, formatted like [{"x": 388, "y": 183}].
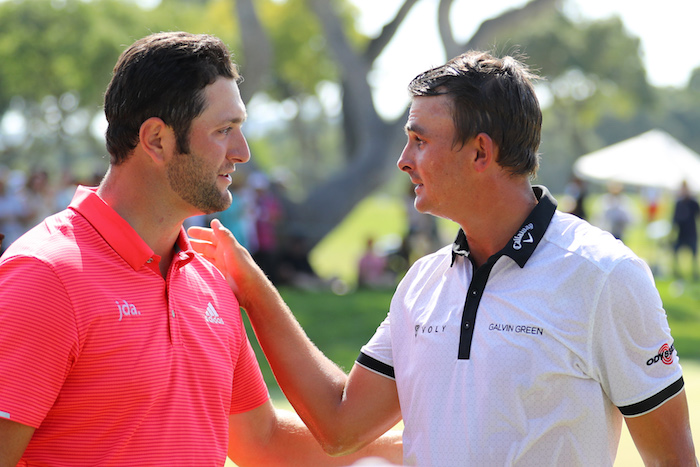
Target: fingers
[
  {"x": 206, "y": 249},
  {"x": 222, "y": 233},
  {"x": 200, "y": 233}
]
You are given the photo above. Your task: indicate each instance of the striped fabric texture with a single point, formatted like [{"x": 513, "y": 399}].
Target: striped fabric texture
[{"x": 112, "y": 364}]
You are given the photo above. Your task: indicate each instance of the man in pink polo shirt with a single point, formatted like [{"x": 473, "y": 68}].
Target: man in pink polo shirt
[{"x": 119, "y": 345}]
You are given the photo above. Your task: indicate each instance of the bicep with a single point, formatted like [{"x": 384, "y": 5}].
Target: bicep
[
  {"x": 663, "y": 435},
  {"x": 14, "y": 438},
  {"x": 370, "y": 404},
  {"x": 250, "y": 432}
]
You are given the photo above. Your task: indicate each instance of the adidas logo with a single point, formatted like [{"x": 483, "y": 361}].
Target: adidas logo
[{"x": 211, "y": 315}]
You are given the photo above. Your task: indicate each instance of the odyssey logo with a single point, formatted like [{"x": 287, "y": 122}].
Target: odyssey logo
[
  {"x": 665, "y": 355},
  {"x": 518, "y": 240}
]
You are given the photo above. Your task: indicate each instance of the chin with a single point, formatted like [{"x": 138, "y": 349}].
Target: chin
[{"x": 420, "y": 206}]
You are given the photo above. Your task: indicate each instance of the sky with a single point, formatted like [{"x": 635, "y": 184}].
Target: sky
[{"x": 668, "y": 32}]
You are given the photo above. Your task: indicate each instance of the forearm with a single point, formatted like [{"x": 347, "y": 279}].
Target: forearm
[
  {"x": 303, "y": 449},
  {"x": 313, "y": 384},
  {"x": 269, "y": 436}
]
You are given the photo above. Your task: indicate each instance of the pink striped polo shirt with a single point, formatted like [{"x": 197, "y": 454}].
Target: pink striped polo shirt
[{"x": 112, "y": 364}]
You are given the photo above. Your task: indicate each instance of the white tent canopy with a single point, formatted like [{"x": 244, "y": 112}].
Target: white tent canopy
[{"x": 652, "y": 159}]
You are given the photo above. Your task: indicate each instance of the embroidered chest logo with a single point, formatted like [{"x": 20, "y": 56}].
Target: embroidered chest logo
[
  {"x": 211, "y": 315},
  {"x": 520, "y": 238},
  {"x": 126, "y": 309},
  {"x": 428, "y": 329}
]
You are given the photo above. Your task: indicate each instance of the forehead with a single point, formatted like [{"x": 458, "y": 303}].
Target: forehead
[
  {"x": 430, "y": 112},
  {"x": 223, "y": 101}
]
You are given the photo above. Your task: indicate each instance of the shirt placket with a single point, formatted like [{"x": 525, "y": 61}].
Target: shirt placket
[
  {"x": 174, "y": 312},
  {"x": 471, "y": 305}
]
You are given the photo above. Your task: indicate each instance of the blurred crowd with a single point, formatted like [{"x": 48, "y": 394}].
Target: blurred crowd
[
  {"x": 256, "y": 214},
  {"x": 26, "y": 198},
  {"x": 616, "y": 212}
]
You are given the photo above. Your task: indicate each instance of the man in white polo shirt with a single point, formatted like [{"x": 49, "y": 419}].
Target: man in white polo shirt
[{"x": 526, "y": 342}]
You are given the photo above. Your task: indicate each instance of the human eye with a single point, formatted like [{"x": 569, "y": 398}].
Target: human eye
[{"x": 226, "y": 131}]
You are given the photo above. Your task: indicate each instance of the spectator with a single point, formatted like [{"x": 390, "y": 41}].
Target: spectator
[
  {"x": 239, "y": 218},
  {"x": 268, "y": 213},
  {"x": 685, "y": 215},
  {"x": 38, "y": 198},
  {"x": 616, "y": 211},
  {"x": 12, "y": 206},
  {"x": 577, "y": 192},
  {"x": 372, "y": 269},
  {"x": 293, "y": 266}
]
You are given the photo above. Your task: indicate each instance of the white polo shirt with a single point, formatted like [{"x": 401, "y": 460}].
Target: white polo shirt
[{"x": 561, "y": 333}]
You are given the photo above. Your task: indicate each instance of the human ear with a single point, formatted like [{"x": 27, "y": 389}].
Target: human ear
[
  {"x": 485, "y": 151},
  {"x": 155, "y": 137}
]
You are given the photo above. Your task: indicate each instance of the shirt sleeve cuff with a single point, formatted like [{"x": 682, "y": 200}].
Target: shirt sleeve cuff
[
  {"x": 647, "y": 405},
  {"x": 372, "y": 364}
]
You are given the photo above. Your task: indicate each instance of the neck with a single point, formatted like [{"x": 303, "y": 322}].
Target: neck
[
  {"x": 138, "y": 198},
  {"x": 504, "y": 212}
]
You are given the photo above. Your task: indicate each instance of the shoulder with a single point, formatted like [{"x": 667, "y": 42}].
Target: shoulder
[
  {"x": 55, "y": 240},
  {"x": 575, "y": 237},
  {"x": 438, "y": 260}
]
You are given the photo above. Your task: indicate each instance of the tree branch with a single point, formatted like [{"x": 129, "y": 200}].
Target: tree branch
[
  {"x": 378, "y": 44},
  {"x": 361, "y": 115},
  {"x": 256, "y": 49},
  {"x": 491, "y": 30},
  {"x": 452, "y": 47}
]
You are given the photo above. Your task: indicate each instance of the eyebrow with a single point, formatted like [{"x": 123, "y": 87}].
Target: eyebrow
[
  {"x": 236, "y": 120},
  {"x": 413, "y": 128}
]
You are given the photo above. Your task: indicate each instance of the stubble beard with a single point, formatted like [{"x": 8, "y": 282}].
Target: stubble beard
[{"x": 188, "y": 179}]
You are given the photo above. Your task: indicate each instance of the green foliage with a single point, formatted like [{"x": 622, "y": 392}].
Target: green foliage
[
  {"x": 53, "y": 47},
  {"x": 301, "y": 59},
  {"x": 613, "y": 74},
  {"x": 49, "y": 50}
]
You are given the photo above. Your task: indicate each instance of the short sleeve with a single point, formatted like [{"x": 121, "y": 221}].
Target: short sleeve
[
  {"x": 38, "y": 339},
  {"x": 249, "y": 389},
  {"x": 376, "y": 355},
  {"x": 631, "y": 344}
]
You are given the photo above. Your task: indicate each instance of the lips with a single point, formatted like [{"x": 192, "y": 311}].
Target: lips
[{"x": 227, "y": 173}]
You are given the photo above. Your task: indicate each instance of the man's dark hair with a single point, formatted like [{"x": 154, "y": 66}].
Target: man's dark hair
[
  {"x": 162, "y": 75},
  {"x": 493, "y": 96}
]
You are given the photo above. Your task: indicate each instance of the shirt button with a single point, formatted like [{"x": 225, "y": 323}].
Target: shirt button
[{"x": 149, "y": 260}]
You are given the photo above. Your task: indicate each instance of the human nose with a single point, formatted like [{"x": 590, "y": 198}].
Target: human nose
[
  {"x": 238, "y": 150},
  {"x": 404, "y": 163}
]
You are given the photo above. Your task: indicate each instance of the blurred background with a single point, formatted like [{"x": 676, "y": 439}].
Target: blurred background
[{"x": 321, "y": 204}]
